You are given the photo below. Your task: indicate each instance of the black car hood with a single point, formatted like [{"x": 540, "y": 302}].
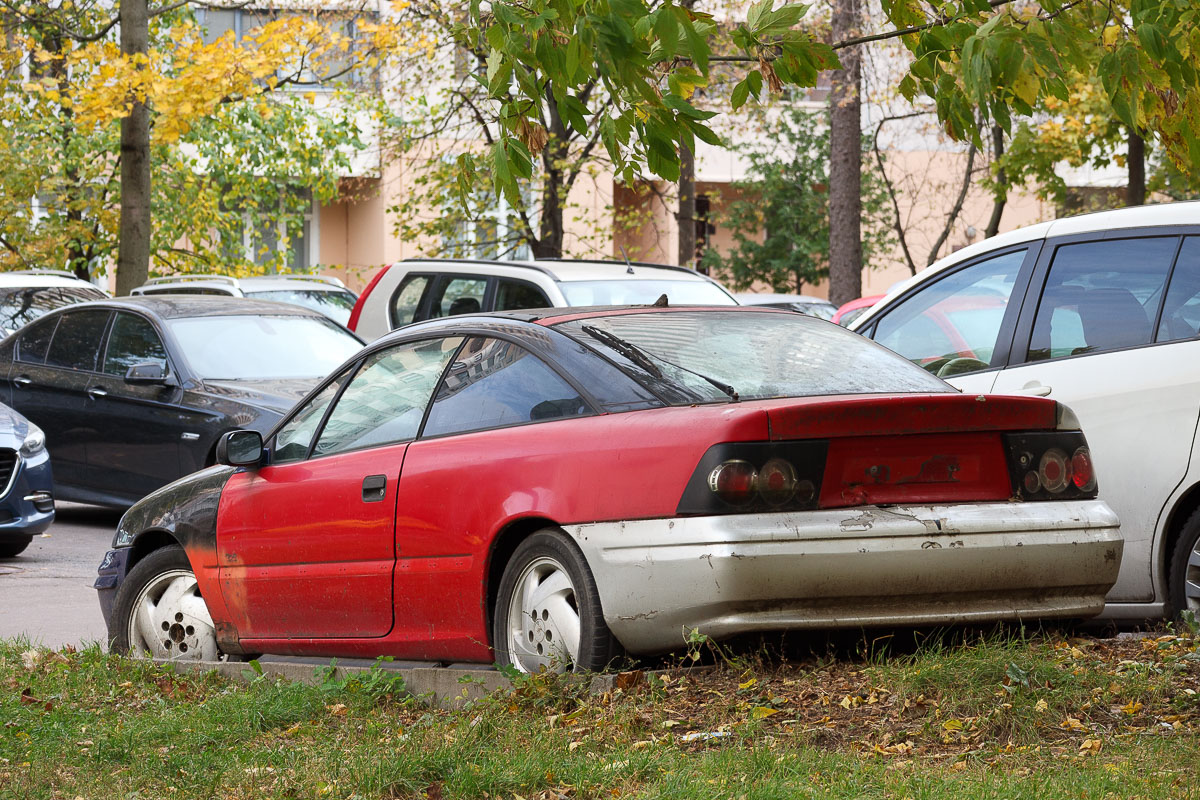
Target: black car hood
[{"x": 274, "y": 395}]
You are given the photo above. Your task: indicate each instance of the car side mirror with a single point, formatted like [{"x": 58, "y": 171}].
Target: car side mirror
[
  {"x": 149, "y": 374},
  {"x": 240, "y": 449}
]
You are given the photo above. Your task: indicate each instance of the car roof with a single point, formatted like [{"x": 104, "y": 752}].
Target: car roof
[
  {"x": 568, "y": 270},
  {"x": 178, "y": 306},
  {"x": 260, "y": 283},
  {"x": 21, "y": 280},
  {"x": 1155, "y": 215},
  {"x": 308, "y": 283}
]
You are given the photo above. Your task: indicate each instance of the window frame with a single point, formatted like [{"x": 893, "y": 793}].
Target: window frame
[
  {"x": 350, "y": 372},
  {"x": 592, "y": 405},
  {"x": 162, "y": 340},
  {"x": 1023, "y": 334},
  {"x": 100, "y": 348},
  {"x": 1009, "y": 323}
]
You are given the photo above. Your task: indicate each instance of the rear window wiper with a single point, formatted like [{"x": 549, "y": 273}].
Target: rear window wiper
[{"x": 646, "y": 361}]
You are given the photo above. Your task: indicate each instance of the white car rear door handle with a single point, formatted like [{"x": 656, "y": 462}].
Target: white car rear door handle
[{"x": 1036, "y": 389}]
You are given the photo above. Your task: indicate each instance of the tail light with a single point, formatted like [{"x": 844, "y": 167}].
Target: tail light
[
  {"x": 1054, "y": 465},
  {"x": 748, "y": 477},
  {"x": 356, "y": 313}
]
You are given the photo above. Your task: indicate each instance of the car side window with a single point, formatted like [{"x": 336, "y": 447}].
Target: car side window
[
  {"x": 953, "y": 324},
  {"x": 458, "y": 296},
  {"x": 406, "y": 302},
  {"x": 133, "y": 341},
  {"x": 76, "y": 342},
  {"x": 294, "y": 438},
  {"x": 1181, "y": 311},
  {"x": 386, "y": 400},
  {"x": 34, "y": 341},
  {"x": 512, "y": 294},
  {"x": 1101, "y": 296},
  {"x": 494, "y": 383}
]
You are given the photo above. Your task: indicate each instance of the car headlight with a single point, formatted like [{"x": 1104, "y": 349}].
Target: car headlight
[{"x": 35, "y": 442}]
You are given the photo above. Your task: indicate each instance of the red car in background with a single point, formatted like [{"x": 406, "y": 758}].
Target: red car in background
[
  {"x": 848, "y": 312},
  {"x": 547, "y": 488}
]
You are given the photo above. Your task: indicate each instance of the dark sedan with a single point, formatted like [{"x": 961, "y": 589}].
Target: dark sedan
[
  {"x": 134, "y": 393},
  {"x": 26, "y": 486}
]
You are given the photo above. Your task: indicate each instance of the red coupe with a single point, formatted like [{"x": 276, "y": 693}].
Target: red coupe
[{"x": 548, "y": 488}]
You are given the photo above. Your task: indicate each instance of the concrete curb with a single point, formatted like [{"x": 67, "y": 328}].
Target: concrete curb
[{"x": 445, "y": 687}]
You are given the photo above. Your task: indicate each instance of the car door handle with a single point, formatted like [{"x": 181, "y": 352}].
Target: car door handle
[
  {"x": 374, "y": 488},
  {"x": 1036, "y": 389},
  {"x": 22, "y": 381},
  {"x": 96, "y": 393}
]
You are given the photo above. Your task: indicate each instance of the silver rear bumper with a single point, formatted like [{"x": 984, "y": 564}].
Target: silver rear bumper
[{"x": 855, "y": 567}]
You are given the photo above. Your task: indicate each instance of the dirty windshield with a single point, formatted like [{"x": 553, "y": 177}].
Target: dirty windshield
[{"x": 723, "y": 356}]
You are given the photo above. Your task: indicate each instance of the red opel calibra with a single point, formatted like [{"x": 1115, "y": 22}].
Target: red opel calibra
[{"x": 547, "y": 488}]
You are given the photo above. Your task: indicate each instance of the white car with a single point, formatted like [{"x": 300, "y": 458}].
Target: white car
[
  {"x": 329, "y": 296},
  {"x": 28, "y": 294},
  {"x": 419, "y": 289},
  {"x": 1100, "y": 312}
]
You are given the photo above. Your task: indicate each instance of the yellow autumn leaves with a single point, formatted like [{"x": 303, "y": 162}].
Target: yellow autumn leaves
[{"x": 188, "y": 78}]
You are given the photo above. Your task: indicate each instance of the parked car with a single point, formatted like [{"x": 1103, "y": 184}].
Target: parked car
[
  {"x": 1100, "y": 312},
  {"x": 132, "y": 393},
  {"x": 28, "y": 294},
  {"x": 848, "y": 312},
  {"x": 539, "y": 488},
  {"x": 802, "y": 303},
  {"x": 26, "y": 485},
  {"x": 327, "y": 295},
  {"x": 415, "y": 290}
]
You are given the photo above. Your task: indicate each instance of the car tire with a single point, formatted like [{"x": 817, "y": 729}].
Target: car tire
[
  {"x": 13, "y": 549},
  {"x": 548, "y": 613},
  {"x": 160, "y": 613},
  {"x": 1183, "y": 567}
]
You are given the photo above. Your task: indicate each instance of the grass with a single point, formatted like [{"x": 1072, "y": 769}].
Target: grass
[{"x": 991, "y": 717}]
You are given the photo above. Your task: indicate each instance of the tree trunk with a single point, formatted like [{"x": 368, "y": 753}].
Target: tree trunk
[
  {"x": 133, "y": 254},
  {"x": 550, "y": 226},
  {"x": 845, "y": 161},
  {"x": 993, "y": 226},
  {"x": 685, "y": 217},
  {"x": 1135, "y": 191}
]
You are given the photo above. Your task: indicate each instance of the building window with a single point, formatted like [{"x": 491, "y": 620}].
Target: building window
[
  {"x": 271, "y": 241},
  {"x": 493, "y": 231},
  {"x": 335, "y": 67}
]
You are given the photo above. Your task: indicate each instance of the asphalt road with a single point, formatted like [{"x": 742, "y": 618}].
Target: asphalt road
[{"x": 46, "y": 592}]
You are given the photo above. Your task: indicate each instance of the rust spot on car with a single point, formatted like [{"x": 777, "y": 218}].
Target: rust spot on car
[
  {"x": 930, "y": 546},
  {"x": 1110, "y": 555}
]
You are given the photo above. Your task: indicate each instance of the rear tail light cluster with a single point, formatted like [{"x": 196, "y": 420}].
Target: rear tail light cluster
[
  {"x": 745, "y": 477},
  {"x": 1051, "y": 466},
  {"x": 758, "y": 477}
]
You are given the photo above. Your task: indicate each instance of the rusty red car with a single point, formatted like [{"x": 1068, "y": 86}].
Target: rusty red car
[{"x": 547, "y": 489}]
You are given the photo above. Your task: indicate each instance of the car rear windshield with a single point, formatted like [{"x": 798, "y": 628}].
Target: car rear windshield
[
  {"x": 705, "y": 356},
  {"x": 335, "y": 305},
  {"x": 644, "y": 292},
  {"x": 262, "y": 347},
  {"x": 19, "y": 307}
]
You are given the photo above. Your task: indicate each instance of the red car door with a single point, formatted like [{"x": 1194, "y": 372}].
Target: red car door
[
  {"x": 306, "y": 545},
  {"x": 306, "y": 549}
]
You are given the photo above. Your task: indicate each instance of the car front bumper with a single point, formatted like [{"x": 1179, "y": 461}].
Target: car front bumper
[
  {"x": 27, "y": 508},
  {"x": 867, "y": 566}
]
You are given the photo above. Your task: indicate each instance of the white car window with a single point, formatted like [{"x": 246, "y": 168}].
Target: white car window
[
  {"x": 1101, "y": 296},
  {"x": 1181, "y": 312},
  {"x": 953, "y": 319}
]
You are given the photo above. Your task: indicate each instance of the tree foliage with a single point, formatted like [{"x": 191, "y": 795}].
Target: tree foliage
[
  {"x": 998, "y": 57},
  {"x": 230, "y": 153},
  {"x": 785, "y": 196}
]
